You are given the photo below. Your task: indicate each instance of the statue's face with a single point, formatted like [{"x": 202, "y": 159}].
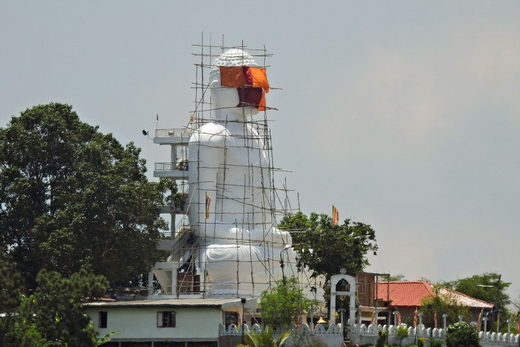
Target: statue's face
[{"x": 226, "y": 99}]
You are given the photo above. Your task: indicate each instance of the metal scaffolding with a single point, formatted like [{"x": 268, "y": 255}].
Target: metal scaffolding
[{"x": 262, "y": 203}]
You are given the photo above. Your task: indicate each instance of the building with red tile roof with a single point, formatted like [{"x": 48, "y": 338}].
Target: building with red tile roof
[{"x": 407, "y": 297}]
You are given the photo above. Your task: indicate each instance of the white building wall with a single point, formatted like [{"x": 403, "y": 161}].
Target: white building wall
[{"x": 141, "y": 323}]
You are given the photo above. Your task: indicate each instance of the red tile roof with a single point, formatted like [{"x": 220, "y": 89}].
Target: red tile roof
[
  {"x": 411, "y": 294},
  {"x": 404, "y": 293}
]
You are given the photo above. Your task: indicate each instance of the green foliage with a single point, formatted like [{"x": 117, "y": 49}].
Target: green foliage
[
  {"x": 402, "y": 333},
  {"x": 283, "y": 303},
  {"x": 461, "y": 334},
  {"x": 382, "y": 338},
  {"x": 421, "y": 341},
  {"x": 11, "y": 285},
  {"x": 172, "y": 197},
  {"x": 397, "y": 278},
  {"x": 72, "y": 196},
  {"x": 326, "y": 248},
  {"x": 105, "y": 338},
  {"x": 442, "y": 304},
  {"x": 52, "y": 315},
  {"x": 435, "y": 343},
  {"x": 488, "y": 287},
  {"x": 266, "y": 338}
]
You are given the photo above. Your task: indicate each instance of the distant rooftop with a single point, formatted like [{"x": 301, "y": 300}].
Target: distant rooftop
[{"x": 413, "y": 293}]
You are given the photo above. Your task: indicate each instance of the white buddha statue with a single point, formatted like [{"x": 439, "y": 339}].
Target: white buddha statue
[{"x": 231, "y": 195}]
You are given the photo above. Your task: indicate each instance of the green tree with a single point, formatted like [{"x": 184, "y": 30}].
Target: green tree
[
  {"x": 488, "y": 287},
  {"x": 72, "y": 196},
  {"x": 439, "y": 304},
  {"x": 11, "y": 291},
  {"x": 11, "y": 287},
  {"x": 326, "y": 248},
  {"x": 397, "y": 278},
  {"x": 283, "y": 303},
  {"x": 52, "y": 315}
]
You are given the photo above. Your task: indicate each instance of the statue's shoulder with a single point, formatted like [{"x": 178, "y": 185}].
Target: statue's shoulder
[{"x": 209, "y": 133}]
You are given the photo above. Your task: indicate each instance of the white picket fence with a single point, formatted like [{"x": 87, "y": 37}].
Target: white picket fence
[
  {"x": 493, "y": 339},
  {"x": 367, "y": 335},
  {"x": 364, "y": 335}
]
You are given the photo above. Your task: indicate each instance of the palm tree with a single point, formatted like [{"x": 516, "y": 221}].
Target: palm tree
[{"x": 266, "y": 338}]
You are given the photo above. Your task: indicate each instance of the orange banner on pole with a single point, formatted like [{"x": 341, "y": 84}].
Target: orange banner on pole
[
  {"x": 335, "y": 215},
  {"x": 257, "y": 77},
  {"x": 208, "y": 204}
]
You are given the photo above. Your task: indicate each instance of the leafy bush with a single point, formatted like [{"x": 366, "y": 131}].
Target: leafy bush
[
  {"x": 435, "y": 343},
  {"x": 283, "y": 303},
  {"x": 402, "y": 333},
  {"x": 461, "y": 334},
  {"x": 382, "y": 338},
  {"x": 420, "y": 342}
]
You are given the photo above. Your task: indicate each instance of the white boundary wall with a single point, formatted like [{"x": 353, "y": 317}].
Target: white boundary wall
[
  {"x": 493, "y": 339},
  {"x": 363, "y": 335},
  {"x": 331, "y": 335}
]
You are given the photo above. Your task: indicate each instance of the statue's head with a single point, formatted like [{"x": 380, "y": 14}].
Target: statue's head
[{"x": 227, "y": 98}]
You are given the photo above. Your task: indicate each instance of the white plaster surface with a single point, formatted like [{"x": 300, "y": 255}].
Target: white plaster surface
[{"x": 141, "y": 323}]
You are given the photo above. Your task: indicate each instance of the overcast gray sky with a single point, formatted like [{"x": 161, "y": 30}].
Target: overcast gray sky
[{"x": 403, "y": 114}]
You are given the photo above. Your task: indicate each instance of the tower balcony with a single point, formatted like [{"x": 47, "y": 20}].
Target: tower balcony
[
  {"x": 176, "y": 171},
  {"x": 172, "y": 136}
]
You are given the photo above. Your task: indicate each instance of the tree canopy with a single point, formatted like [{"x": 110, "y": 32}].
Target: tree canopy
[
  {"x": 52, "y": 315},
  {"x": 488, "y": 287},
  {"x": 326, "y": 248},
  {"x": 283, "y": 303},
  {"x": 436, "y": 305},
  {"x": 72, "y": 196}
]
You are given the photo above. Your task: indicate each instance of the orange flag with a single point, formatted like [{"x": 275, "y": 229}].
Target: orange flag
[
  {"x": 246, "y": 78},
  {"x": 335, "y": 215},
  {"x": 232, "y": 76},
  {"x": 257, "y": 77},
  {"x": 208, "y": 204}
]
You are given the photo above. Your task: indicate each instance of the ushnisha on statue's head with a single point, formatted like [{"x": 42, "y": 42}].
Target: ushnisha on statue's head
[{"x": 237, "y": 85}]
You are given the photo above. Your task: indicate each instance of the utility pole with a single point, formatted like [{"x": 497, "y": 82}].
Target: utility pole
[{"x": 497, "y": 287}]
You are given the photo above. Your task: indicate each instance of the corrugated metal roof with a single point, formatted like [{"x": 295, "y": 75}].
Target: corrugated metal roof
[{"x": 217, "y": 303}]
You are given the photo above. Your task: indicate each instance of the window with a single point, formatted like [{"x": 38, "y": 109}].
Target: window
[
  {"x": 103, "y": 319},
  {"x": 166, "y": 319}
]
